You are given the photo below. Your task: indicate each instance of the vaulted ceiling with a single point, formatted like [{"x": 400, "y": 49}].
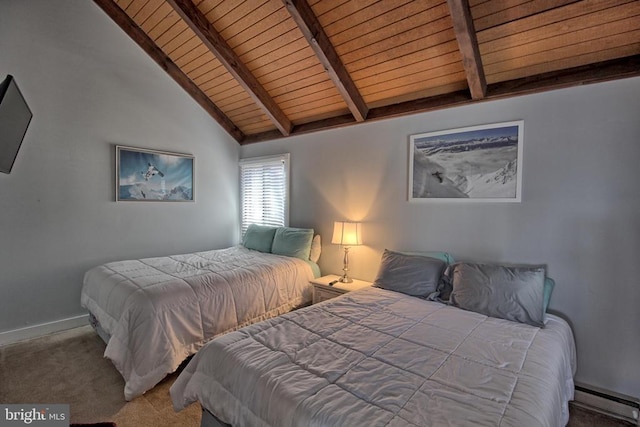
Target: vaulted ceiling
[{"x": 265, "y": 69}]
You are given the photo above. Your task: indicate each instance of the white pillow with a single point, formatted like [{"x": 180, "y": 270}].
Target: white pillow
[{"x": 316, "y": 249}]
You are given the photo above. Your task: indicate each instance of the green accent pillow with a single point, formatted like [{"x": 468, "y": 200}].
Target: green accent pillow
[
  {"x": 442, "y": 256},
  {"x": 259, "y": 237},
  {"x": 293, "y": 242},
  {"x": 549, "y": 284}
]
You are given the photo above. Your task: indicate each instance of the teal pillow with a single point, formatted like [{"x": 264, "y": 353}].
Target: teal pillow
[
  {"x": 259, "y": 237},
  {"x": 549, "y": 284},
  {"x": 293, "y": 242},
  {"x": 442, "y": 256}
]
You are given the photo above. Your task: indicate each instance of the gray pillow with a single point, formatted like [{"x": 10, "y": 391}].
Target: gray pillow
[
  {"x": 414, "y": 275},
  {"x": 514, "y": 293},
  {"x": 259, "y": 237}
]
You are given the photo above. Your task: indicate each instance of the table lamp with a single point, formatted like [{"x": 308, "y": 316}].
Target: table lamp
[{"x": 346, "y": 234}]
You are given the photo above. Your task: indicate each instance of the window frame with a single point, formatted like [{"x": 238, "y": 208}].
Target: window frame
[{"x": 285, "y": 159}]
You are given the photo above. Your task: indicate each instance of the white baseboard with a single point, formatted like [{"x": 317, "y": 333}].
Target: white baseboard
[
  {"x": 36, "y": 331},
  {"x": 608, "y": 402}
]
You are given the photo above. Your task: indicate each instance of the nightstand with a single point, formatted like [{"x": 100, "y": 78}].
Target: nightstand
[{"x": 322, "y": 291}]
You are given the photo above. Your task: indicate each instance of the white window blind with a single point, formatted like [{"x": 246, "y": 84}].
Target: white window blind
[{"x": 264, "y": 191}]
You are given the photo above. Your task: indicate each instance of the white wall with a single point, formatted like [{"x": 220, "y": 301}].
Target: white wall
[
  {"x": 91, "y": 87},
  {"x": 580, "y": 211}
]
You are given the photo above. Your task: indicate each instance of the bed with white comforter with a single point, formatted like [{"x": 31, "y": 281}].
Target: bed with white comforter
[
  {"x": 159, "y": 311},
  {"x": 381, "y": 358}
]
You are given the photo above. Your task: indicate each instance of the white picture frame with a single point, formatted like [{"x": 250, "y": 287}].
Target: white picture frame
[
  {"x": 144, "y": 175},
  {"x": 471, "y": 164}
]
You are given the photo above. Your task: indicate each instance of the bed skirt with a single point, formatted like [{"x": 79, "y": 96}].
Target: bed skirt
[
  {"x": 96, "y": 326},
  {"x": 210, "y": 420}
]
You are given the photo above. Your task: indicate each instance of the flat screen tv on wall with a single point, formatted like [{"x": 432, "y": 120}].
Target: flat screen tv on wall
[{"x": 15, "y": 117}]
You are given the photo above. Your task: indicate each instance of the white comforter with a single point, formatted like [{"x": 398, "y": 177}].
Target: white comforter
[
  {"x": 380, "y": 358},
  {"x": 159, "y": 311}
]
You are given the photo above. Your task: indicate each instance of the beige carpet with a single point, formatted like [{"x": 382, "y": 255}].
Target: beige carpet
[{"x": 69, "y": 368}]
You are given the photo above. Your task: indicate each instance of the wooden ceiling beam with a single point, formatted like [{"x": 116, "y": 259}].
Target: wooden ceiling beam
[
  {"x": 301, "y": 129},
  {"x": 190, "y": 13},
  {"x": 613, "y": 69},
  {"x": 468, "y": 44},
  {"x": 148, "y": 45},
  {"x": 308, "y": 23},
  {"x": 587, "y": 74}
]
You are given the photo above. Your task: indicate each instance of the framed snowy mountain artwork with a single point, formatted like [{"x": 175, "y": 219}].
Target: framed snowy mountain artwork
[
  {"x": 472, "y": 164},
  {"x": 152, "y": 176}
]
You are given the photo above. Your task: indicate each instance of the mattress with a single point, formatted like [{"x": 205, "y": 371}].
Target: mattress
[
  {"x": 159, "y": 311},
  {"x": 380, "y": 358}
]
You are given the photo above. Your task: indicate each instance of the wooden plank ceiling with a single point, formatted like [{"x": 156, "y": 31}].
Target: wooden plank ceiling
[{"x": 265, "y": 69}]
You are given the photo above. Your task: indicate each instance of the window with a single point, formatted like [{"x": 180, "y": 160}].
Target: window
[{"x": 264, "y": 191}]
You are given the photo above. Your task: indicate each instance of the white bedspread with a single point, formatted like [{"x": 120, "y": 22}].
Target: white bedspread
[
  {"x": 380, "y": 358},
  {"x": 159, "y": 311}
]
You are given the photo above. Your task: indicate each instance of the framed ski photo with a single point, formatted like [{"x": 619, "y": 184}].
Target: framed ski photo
[
  {"x": 153, "y": 176},
  {"x": 472, "y": 164}
]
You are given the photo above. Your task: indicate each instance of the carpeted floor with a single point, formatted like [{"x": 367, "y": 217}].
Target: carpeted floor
[
  {"x": 107, "y": 424},
  {"x": 69, "y": 368}
]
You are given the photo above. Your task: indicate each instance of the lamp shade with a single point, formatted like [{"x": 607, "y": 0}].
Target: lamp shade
[{"x": 347, "y": 233}]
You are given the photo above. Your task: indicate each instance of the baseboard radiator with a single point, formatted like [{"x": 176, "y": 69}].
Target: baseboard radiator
[{"x": 608, "y": 402}]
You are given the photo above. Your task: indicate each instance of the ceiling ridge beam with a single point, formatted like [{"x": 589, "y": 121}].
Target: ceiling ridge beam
[
  {"x": 468, "y": 45},
  {"x": 148, "y": 45},
  {"x": 613, "y": 69},
  {"x": 200, "y": 25},
  {"x": 308, "y": 23}
]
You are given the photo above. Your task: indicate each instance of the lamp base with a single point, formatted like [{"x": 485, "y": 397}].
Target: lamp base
[{"x": 345, "y": 279}]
